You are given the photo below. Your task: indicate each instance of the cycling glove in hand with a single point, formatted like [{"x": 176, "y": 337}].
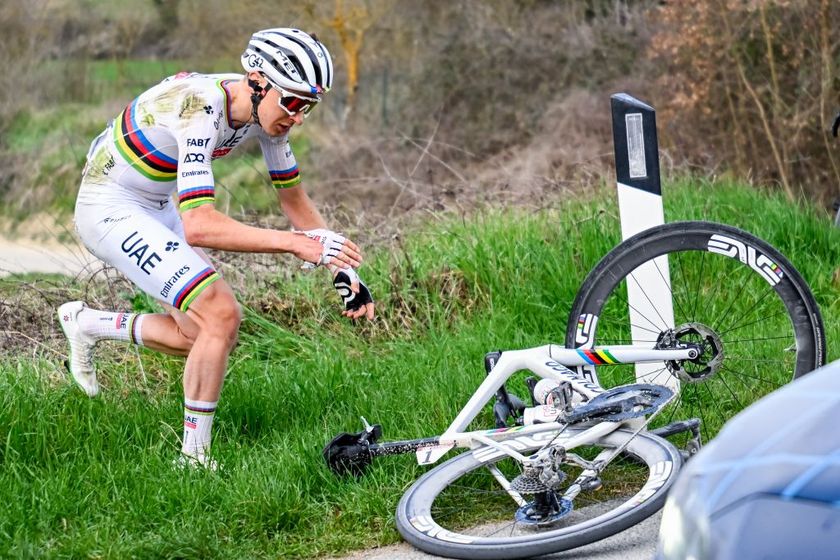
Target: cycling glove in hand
[
  {"x": 352, "y": 301},
  {"x": 331, "y": 241}
]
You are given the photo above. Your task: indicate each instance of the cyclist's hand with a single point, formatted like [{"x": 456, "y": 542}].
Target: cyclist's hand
[
  {"x": 357, "y": 299},
  {"x": 327, "y": 248}
]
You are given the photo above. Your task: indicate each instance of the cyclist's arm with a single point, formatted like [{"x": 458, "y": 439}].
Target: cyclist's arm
[
  {"x": 299, "y": 208},
  {"x": 285, "y": 176},
  {"x": 204, "y": 226}
]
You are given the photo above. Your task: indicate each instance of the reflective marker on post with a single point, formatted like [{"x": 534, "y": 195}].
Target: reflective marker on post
[{"x": 640, "y": 207}]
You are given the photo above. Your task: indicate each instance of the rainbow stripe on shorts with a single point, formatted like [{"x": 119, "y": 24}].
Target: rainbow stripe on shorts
[{"x": 195, "y": 286}]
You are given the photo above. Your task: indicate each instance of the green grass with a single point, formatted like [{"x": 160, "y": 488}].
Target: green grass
[
  {"x": 92, "y": 477},
  {"x": 96, "y": 81}
]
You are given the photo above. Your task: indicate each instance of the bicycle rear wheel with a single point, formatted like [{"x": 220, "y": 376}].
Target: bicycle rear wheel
[
  {"x": 459, "y": 509},
  {"x": 732, "y": 292}
]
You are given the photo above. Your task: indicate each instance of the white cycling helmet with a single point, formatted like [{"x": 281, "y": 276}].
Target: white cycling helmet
[{"x": 290, "y": 60}]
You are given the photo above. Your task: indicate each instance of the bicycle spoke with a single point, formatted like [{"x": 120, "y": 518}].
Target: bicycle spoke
[
  {"x": 658, "y": 373},
  {"x": 732, "y": 301},
  {"x": 697, "y": 286},
  {"x": 674, "y": 407},
  {"x": 667, "y": 283},
  {"x": 665, "y": 324},
  {"x": 752, "y": 310},
  {"x": 731, "y": 392},
  {"x": 712, "y": 399},
  {"x": 738, "y": 341},
  {"x": 759, "y": 379}
]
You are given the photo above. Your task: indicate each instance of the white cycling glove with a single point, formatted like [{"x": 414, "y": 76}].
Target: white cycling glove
[
  {"x": 352, "y": 301},
  {"x": 331, "y": 241}
]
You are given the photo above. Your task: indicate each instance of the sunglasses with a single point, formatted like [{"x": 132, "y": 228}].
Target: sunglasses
[{"x": 293, "y": 104}]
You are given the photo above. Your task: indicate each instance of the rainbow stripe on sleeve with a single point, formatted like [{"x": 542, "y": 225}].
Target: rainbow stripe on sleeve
[
  {"x": 138, "y": 151},
  {"x": 196, "y": 196},
  {"x": 285, "y": 178},
  {"x": 199, "y": 282}
]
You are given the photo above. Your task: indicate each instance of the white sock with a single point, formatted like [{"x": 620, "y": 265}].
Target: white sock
[
  {"x": 111, "y": 325},
  {"x": 198, "y": 424}
]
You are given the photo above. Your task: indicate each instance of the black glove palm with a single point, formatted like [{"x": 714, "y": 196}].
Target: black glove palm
[{"x": 352, "y": 301}]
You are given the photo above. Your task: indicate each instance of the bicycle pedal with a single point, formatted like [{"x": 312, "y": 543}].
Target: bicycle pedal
[{"x": 592, "y": 485}]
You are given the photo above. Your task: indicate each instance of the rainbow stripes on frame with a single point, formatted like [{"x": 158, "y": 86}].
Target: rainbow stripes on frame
[
  {"x": 285, "y": 178},
  {"x": 188, "y": 293},
  {"x": 598, "y": 357},
  {"x": 138, "y": 151}
]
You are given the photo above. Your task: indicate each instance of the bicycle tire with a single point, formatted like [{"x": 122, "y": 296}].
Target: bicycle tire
[
  {"x": 731, "y": 255},
  {"x": 418, "y": 522}
]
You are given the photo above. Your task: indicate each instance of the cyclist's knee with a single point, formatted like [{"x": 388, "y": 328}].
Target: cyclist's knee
[{"x": 217, "y": 311}]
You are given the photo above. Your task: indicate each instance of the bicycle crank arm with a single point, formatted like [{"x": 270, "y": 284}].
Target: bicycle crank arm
[
  {"x": 402, "y": 447},
  {"x": 351, "y": 453}
]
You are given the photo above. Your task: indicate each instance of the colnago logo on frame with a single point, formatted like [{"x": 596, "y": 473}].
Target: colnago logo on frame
[
  {"x": 519, "y": 443},
  {"x": 748, "y": 255}
]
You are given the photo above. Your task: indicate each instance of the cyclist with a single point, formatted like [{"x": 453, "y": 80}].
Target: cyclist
[{"x": 155, "y": 155}]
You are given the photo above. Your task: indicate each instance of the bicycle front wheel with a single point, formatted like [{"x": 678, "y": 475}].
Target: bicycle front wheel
[
  {"x": 461, "y": 508},
  {"x": 729, "y": 291}
]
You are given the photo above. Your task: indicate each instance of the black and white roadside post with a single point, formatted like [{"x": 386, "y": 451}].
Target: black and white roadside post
[{"x": 640, "y": 207}]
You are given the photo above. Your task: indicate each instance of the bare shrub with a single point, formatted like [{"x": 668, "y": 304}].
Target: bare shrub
[{"x": 751, "y": 87}]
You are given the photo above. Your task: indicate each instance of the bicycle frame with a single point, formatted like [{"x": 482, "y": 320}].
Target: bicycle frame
[{"x": 549, "y": 362}]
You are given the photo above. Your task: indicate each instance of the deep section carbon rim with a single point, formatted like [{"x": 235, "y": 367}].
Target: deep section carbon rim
[
  {"x": 460, "y": 509},
  {"x": 733, "y": 295}
]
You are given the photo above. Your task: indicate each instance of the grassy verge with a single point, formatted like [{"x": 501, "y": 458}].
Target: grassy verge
[{"x": 93, "y": 478}]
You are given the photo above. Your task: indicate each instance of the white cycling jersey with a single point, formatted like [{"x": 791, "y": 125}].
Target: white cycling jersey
[
  {"x": 160, "y": 145},
  {"x": 165, "y": 139}
]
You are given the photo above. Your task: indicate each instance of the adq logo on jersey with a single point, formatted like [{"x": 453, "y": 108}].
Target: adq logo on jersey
[
  {"x": 194, "y": 158},
  {"x": 136, "y": 248}
]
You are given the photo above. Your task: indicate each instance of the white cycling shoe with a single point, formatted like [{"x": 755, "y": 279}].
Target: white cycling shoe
[
  {"x": 190, "y": 462},
  {"x": 80, "y": 363}
]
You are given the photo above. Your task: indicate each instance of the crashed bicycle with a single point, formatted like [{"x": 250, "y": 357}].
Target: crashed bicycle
[{"x": 588, "y": 457}]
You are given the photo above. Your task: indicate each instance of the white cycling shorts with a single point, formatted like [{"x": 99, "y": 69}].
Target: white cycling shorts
[{"x": 144, "y": 239}]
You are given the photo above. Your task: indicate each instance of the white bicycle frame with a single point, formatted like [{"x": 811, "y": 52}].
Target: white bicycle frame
[{"x": 549, "y": 362}]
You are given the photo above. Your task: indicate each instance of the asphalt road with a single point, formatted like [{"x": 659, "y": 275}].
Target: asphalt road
[
  {"x": 636, "y": 543},
  {"x": 34, "y": 256}
]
